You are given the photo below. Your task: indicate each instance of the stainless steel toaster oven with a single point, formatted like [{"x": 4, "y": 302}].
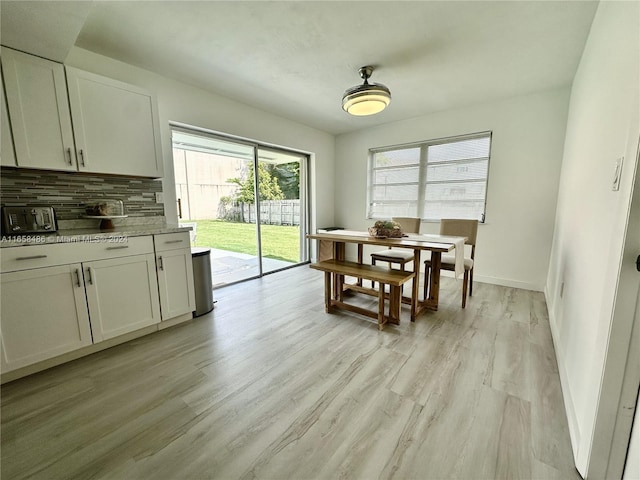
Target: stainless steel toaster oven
[{"x": 28, "y": 220}]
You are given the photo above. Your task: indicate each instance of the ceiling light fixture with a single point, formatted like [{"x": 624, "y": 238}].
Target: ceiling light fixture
[{"x": 366, "y": 99}]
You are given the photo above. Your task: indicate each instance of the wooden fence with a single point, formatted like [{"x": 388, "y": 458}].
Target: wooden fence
[{"x": 272, "y": 212}]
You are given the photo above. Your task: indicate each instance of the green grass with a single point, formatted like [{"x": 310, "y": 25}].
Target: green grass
[{"x": 278, "y": 241}]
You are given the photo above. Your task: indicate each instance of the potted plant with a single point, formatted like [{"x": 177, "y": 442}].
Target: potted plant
[{"x": 385, "y": 229}]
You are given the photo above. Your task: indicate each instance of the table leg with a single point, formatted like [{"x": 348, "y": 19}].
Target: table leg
[
  {"x": 325, "y": 250},
  {"x": 360, "y": 259},
  {"x": 327, "y": 292},
  {"x": 434, "y": 287},
  {"x": 381, "y": 306},
  {"x": 415, "y": 285},
  {"x": 338, "y": 254}
]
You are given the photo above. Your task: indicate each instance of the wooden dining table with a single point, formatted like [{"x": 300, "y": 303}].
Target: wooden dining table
[{"x": 332, "y": 245}]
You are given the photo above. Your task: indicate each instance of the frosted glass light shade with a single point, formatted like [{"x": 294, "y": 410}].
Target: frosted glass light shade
[{"x": 366, "y": 99}]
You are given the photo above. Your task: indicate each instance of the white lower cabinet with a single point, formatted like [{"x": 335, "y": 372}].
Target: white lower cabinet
[
  {"x": 175, "y": 275},
  {"x": 43, "y": 314},
  {"x": 122, "y": 295},
  {"x": 61, "y": 297}
]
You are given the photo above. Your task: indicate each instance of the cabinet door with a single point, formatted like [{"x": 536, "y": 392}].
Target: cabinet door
[
  {"x": 39, "y": 111},
  {"x": 43, "y": 314},
  {"x": 175, "y": 279},
  {"x": 122, "y": 294},
  {"x": 115, "y": 125},
  {"x": 7, "y": 154}
]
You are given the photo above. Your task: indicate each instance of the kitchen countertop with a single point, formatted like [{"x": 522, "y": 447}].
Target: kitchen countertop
[{"x": 88, "y": 234}]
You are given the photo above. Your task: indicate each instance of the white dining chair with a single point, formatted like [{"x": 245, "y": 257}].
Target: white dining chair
[
  {"x": 457, "y": 228},
  {"x": 400, "y": 256}
]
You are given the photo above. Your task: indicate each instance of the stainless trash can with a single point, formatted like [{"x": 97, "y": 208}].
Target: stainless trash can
[{"x": 201, "y": 259}]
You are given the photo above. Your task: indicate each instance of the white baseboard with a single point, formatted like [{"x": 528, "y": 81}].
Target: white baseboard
[
  {"x": 572, "y": 419},
  {"x": 505, "y": 282}
]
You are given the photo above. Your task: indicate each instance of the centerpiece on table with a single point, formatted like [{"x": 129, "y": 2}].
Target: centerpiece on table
[{"x": 385, "y": 229}]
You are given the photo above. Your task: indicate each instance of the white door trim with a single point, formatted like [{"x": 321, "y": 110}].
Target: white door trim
[{"x": 621, "y": 374}]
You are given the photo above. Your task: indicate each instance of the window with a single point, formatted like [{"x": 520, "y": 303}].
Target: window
[{"x": 444, "y": 178}]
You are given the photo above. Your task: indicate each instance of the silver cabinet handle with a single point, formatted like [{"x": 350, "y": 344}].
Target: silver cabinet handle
[
  {"x": 160, "y": 263},
  {"x": 90, "y": 277},
  {"x": 78, "y": 278},
  {"x": 69, "y": 154},
  {"x": 81, "y": 153},
  {"x": 33, "y": 257},
  {"x": 118, "y": 247},
  {"x": 174, "y": 241}
]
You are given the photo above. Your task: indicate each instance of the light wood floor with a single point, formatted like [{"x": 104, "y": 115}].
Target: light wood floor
[{"x": 269, "y": 386}]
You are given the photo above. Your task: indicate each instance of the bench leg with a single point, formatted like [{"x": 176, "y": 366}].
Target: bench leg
[
  {"x": 395, "y": 300},
  {"x": 373, "y": 283},
  {"x": 381, "y": 320},
  {"x": 327, "y": 291},
  {"x": 340, "y": 281}
]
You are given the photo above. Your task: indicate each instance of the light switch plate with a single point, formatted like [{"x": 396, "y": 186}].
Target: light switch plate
[
  {"x": 617, "y": 173},
  {"x": 159, "y": 197}
]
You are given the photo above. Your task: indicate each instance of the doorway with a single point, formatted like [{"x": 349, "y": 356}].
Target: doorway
[{"x": 245, "y": 201}]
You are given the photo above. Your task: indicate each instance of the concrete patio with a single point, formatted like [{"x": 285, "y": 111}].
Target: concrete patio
[{"x": 229, "y": 267}]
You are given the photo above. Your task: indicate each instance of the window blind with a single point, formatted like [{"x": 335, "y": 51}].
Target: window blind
[{"x": 437, "y": 179}]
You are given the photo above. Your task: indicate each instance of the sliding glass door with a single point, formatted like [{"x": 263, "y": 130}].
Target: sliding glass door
[
  {"x": 279, "y": 203},
  {"x": 246, "y": 202}
]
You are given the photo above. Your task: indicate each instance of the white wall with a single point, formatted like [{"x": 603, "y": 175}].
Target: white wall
[
  {"x": 591, "y": 218},
  {"x": 180, "y": 102},
  {"x": 513, "y": 246},
  {"x": 632, "y": 469},
  {"x": 201, "y": 181}
]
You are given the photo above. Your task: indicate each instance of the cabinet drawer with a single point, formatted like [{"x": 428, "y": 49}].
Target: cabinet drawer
[
  {"x": 118, "y": 247},
  {"x": 38, "y": 256},
  {"x": 35, "y": 256},
  {"x": 172, "y": 241}
]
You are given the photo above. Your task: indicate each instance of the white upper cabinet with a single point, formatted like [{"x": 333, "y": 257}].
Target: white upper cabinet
[
  {"x": 7, "y": 155},
  {"x": 115, "y": 125},
  {"x": 39, "y": 111}
]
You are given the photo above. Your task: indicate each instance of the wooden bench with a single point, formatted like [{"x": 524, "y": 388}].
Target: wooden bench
[{"x": 334, "y": 297}]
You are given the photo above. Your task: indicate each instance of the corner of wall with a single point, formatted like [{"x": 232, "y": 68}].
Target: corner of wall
[{"x": 572, "y": 419}]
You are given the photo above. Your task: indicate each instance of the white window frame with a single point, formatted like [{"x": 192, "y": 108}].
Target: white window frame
[{"x": 422, "y": 182}]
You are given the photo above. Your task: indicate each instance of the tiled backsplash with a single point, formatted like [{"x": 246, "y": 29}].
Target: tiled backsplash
[{"x": 69, "y": 192}]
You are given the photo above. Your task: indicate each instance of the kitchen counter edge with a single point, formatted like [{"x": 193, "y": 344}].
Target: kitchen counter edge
[{"x": 87, "y": 235}]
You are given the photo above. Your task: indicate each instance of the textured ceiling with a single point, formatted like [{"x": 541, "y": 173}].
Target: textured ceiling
[
  {"x": 44, "y": 28},
  {"x": 295, "y": 59}
]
